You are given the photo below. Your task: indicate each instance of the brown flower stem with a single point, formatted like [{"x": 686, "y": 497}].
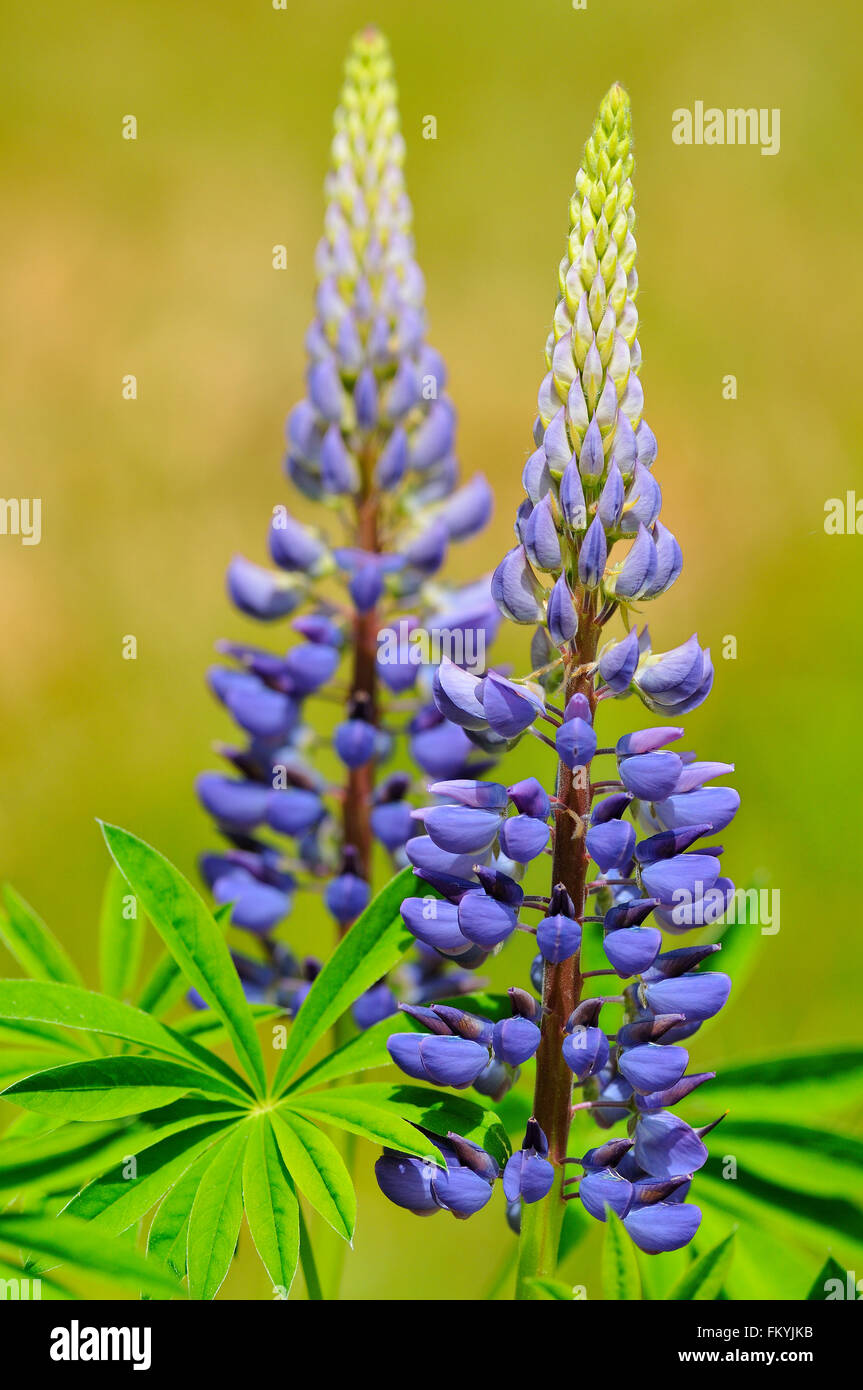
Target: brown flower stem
[{"x": 562, "y": 985}]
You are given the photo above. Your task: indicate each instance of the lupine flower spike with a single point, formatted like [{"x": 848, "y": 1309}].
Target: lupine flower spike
[
  {"x": 371, "y": 447},
  {"x": 627, "y": 862}
]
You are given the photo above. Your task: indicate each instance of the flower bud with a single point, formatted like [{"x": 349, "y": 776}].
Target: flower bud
[
  {"x": 445, "y": 1061},
  {"x": 522, "y": 838},
  {"x": 558, "y": 938},
  {"x": 530, "y": 798},
  {"x": 592, "y": 555},
  {"x": 576, "y": 743},
  {"x": 561, "y": 614},
  {"x": 632, "y": 950},
  {"x": 515, "y": 1040},
  {"x": 484, "y": 920},
  {"x": 516, "y": 590},
  {"x": 611, "y": 845},
  {"x": 460, "y": 829},
  {"x": 653, "y": 1066}
]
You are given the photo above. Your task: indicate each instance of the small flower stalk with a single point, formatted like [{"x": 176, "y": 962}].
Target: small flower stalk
[
  {"x": 372, "y": 448},
  {"x": 628, "y": 831}
]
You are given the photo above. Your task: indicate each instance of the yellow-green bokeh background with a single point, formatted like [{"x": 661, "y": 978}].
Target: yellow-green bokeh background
[{"x": 154, "y": 258}]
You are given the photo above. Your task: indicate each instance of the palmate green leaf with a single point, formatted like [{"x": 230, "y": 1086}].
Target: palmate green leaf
[
  {"x": 63, "y": 1240},
  {"x": 431, "y": 1109},
  {"x": 17, "y": 1062},
  {"x": 774, "y": 1257},
  {"x": 376, "y": 1123},
  {"x": 28, "y": 939},
  {"x": 272, "y": 1210},
  {"x": 369, "y": 1048},
  {"x": 830, "y": 1272},
  {"x": 754, "y": 1197},
  {"x": 704, "y": 1278},
  {"x": 67, "y": 1006},
  {"x": 217, "y": 1213},
  {"x": 41, "y": 1166},
  {"x": 775, "y": 1149},
  {"x": 116, "y": 1200},
  {"x": 204, "y": 1026},
  {"x": 166, "y": 984},
  {"x": 619, "y": 1266},
  {"x": 108, "y": 1088},
  {"x": 368, "y": 950},
  {"x": 166, "y": 1239},
  {"x": 49, "y": 1289},
  {"x": 121, "y": 938},
  {"x": 189, "y": 931},
  {"x": 828, "y": 1080},
  {"x": 23, "y": 1032},
  {"x": 317, "y": 1168},
  {"x": 362, "y": 1053}
]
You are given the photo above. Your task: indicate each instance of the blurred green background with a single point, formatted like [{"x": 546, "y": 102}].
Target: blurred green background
[{"x": 154, "y": 258}]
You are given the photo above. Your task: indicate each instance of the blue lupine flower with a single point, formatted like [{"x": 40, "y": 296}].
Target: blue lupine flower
[
  {"x": 632, "y": 949},
  {"x": 696, "y": 996},
  {"x": 667, "y": 1147},
  {"x": 489, "y": 796},
  {"x": 576, "y": 742},
  {"x": 462, "y": 1187},
  {"x": 618, "y": 662},
  {"x": 604, "y": 1187},
  {"x": 652, "y": 1066},
  {"x": 347, "y": 895},
  {"x": 485, "y": 920},
  {"x": 528, "y": 1173},
  {"x": 530, "y": 798},
  {"x": 590, "y": 543},
  {"x": 651, "y": 776},
  {"x": 515, "y": 1040},
  {"x": 611, "y": 845},
  {"x": 522, "y": 838},
  {"x": 558, "y": 935},
  {"x": 445, "y": 1061},
  {"x": 509, "y": 709},
  {"x": 516, "y": 590},
  {"x": 561, "y": 616},
  {"x": 663, "y": 1227},
  {"x": 592, "y": 555},
  {"x": 460, "y": 829},
  {"x": 375, "y": 418},
  {"x": 435, "y": 923},
  {"x": 585, "y": 1047}
]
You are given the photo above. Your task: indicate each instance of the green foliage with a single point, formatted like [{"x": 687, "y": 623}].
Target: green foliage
[
  {"x": 129, "y": 1117},
  {"x": 704, "y": 1278},
  {"x": 76, "y": 1244},
  {"x": 830, "y": 1272},
  {"x": 620, "y": 1275},
  {"x": 544, "y": 1289},
  {"x": 375, "y": 943}
]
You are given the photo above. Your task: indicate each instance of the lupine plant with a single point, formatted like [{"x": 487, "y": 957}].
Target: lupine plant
[
  {"x": 624, "y": 822},
  {"x": 200, "y": 1127},
  {"x": 371, "y": 446}
]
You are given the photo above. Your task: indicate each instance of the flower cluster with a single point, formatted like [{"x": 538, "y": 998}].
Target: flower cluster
[
  {"x": 627, "y": 845},
  {"x": 372, "y": 445}
]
